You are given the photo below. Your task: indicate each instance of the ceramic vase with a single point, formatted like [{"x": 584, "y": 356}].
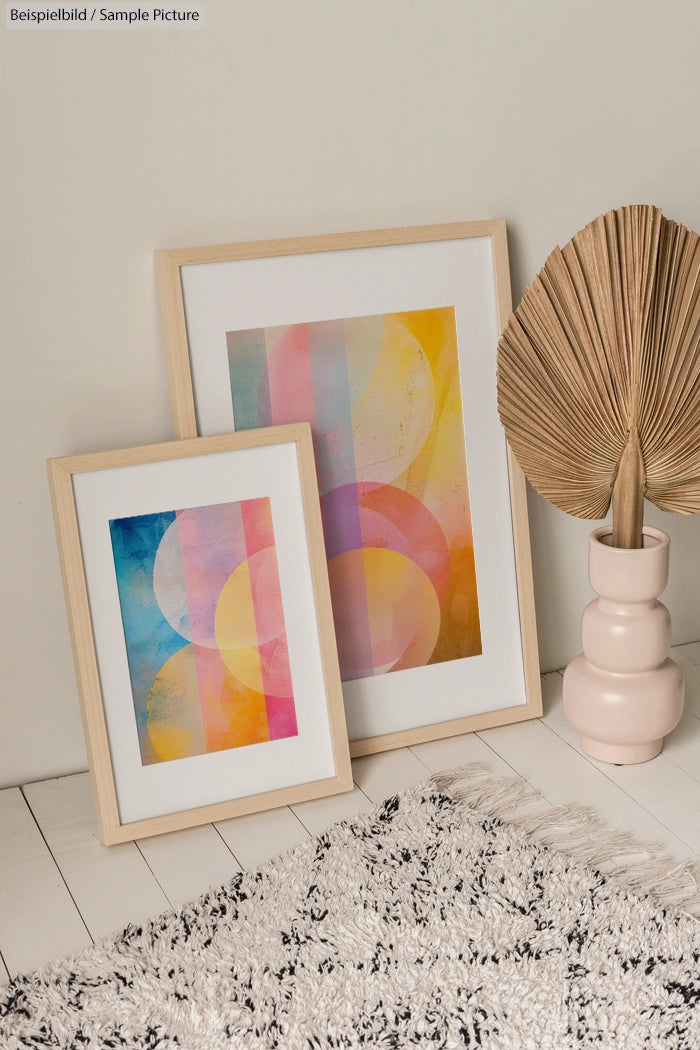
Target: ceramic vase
[{"x": 623, "y": 693}]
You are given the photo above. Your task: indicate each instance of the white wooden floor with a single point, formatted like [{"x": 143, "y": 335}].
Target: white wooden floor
[{"x": 60, "y": 888}]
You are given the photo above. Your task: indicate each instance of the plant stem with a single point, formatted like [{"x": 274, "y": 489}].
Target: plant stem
[{"x": 628, "y": 495}]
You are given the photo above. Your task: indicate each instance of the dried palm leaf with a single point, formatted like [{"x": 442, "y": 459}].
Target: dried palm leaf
[{"x": 599, "y": 372}]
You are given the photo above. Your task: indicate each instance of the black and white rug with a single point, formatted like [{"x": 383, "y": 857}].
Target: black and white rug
[{"x": 447, "y": 917}]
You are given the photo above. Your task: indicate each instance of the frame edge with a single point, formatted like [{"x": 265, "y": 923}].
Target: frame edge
[
  {"x": 324, "y": 610},
  {"x": 518, "y": 501},
  {"x": 83, "y": 647},
  {"x": 174, "y": 334}
]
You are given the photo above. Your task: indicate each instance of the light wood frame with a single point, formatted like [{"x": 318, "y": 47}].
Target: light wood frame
[
  {"x": 174, "y": 267},
  {"x": 90, "y": 581}
]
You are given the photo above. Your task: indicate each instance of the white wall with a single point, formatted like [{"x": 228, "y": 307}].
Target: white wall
[{"x": 276, "y": 119}]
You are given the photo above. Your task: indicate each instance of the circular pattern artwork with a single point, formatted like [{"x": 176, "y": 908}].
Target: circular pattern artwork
[
  {"x": 204, "y": 629},
  {"x": 383, "y": 396}
]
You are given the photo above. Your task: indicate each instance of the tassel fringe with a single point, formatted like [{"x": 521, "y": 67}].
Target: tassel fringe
[{"x": 643, "y": 869}]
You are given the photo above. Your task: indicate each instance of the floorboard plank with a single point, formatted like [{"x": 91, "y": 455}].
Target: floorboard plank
[
  {"x": 319, "y": 813},
  {"x": 456, "y": 751},
  {"x": 657, "y": 786},
  {"x": 387, "y": 772},
  {"x": 188, "y": 863},
  {"x": 691, "y": 650},
  {"x": 258, "y": 837},
  {"x": 38, "y": 919},
  {"x": 111, "y": 885},
  {"x": 691, "y": 675},
  {"x": 682, "y": 746}
]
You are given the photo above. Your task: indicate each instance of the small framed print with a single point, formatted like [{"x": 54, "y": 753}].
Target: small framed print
[
  {"x": 385, "y": 342},
  {"x": 200, "y": 616}
]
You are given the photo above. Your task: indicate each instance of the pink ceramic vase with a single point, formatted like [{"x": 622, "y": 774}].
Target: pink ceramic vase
[{"x": 623, "y": 693}]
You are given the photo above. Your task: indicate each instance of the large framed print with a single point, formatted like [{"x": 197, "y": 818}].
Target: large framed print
[
  {"x": 199, "y": 608},
  {"x": 385, "y": 342}
]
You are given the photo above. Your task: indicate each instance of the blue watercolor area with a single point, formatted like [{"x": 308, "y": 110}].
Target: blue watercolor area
[
  {"x": 150, "y": 640},
  {"x": 250, "y": 389}
]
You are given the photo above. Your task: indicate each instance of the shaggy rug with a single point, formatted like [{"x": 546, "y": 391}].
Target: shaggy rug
[{"x": 432, "y": 921}]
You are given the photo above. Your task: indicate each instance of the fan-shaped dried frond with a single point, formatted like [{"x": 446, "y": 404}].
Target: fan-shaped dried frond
[{"x": 599, "y": 371}]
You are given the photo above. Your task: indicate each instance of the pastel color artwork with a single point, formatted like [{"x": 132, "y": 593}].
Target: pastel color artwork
[
  {"x": 383, "y": 397},
  {"x": 204, "y": 629}
]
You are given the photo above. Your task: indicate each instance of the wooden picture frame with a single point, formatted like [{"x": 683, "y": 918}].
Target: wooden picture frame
[
  {"x": 199, "y": 609},
  {"x": 238, "y": 315}
]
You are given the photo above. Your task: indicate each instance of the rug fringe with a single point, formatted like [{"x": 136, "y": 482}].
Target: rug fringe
[{"x": 644, "y": 869}]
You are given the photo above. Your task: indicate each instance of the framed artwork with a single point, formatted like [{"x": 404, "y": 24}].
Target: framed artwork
[
  {"x": 385, "y": 342},
  {"x": 200, "y": 616}
]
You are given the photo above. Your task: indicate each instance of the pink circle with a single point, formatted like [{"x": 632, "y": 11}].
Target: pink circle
[{"x": 370, "y": 514}]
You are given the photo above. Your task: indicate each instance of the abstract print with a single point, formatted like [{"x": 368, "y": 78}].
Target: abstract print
[
  {"x": 383, "y": 397},
  {"x": 204, "y": 629}
]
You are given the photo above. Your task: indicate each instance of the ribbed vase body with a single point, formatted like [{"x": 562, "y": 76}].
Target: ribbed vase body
[{"x": 623, "y": 693}]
